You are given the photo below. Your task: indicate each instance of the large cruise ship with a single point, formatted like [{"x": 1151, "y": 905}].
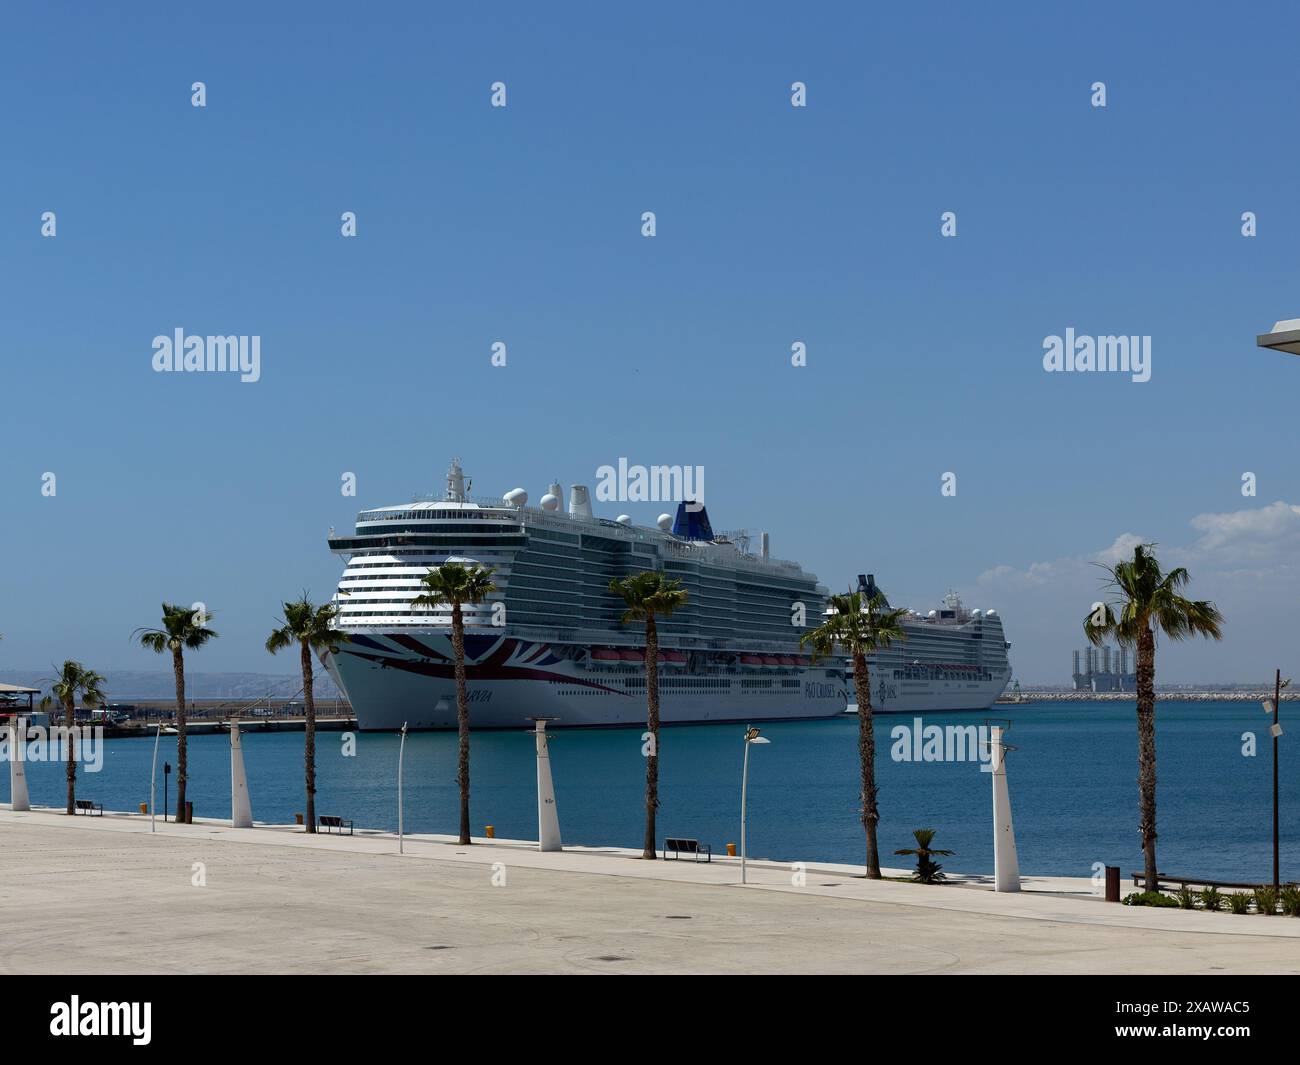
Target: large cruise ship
[
  {"x": 952, "y": 659},
  {"x": 549, "y": 642}
]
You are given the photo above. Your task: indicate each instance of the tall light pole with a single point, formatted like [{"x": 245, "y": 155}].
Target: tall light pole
[
  {"x": 751, "y": 736},
  {"x": 401, "y": 752},
  {"x": 1274, "y": 707}
]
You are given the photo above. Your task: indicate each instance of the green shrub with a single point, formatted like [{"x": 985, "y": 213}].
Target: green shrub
[
  {"x": 1148, "y": 898},
  {"x": 1266, "y": 899},
  {"x": 928, "y": 871},
  {"x": 1291, "y": 900},
  {"x": 1212, "y": 899},
  {"x": 1186, "y": 897},
  {"x": 1239, "y": 901}
]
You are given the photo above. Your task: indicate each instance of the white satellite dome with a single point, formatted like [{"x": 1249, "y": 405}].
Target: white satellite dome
[
  {"x": 624, "y": 519},
  {"x": 664, "y": 521},
  {"x": 516, "y": 497},
  {"x": 550, "y": 502},
  {"x": 932, "y": 614},
  {"x": 992, "y": 614},
  {"x": 977, "y": 613}
]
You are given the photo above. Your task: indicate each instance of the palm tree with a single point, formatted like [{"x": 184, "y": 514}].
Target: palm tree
[
  {"x": 311, "y": 627},
  {"x": 75, "y": 679},
  {"x": 457, "y": 583},
  {"x": 648, "y": 595},
  {"x": 1148, "y": 599},
  {"x": 182, "y": 627},
  {"x": 928, "y": 871},
  {"x": 860, "y": 625}
]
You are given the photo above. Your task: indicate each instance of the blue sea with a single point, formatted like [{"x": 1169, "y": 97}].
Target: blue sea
[{"x": 1073, "y": 782}]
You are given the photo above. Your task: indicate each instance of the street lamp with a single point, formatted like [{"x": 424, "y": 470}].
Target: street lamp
[
  {"x": 751, "y": 736},
  {"x": 1274, "y": 706},
  {"x": 1284, "y": 337}
]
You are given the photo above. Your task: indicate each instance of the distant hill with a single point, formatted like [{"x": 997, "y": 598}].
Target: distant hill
[{"x": 123, "y": 685}]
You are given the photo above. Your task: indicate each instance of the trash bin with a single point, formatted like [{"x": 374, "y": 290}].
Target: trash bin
[
  {"x": 297, "y": 819},
  {"x": 731, "y": 850},
  {"x": 144, "y": 807},
  {"x": 1112, "y": 883},
  {"x": 491, "y": 831}
]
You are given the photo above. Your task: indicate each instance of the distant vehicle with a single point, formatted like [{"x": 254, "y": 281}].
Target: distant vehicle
[
  {"x": 106, "y": 715},
  {"x": 262, "y": 711}
]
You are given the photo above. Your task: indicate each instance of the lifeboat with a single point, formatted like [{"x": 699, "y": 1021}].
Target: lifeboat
[
  {"x": 751, "y": 660},
  {"x": 789, "y": 660},
  {"x": 603, "y": 654},
  {"x": 632, "y": 656},
  {"x": 673, "y": 658},
  {"x": 771, "y": 661}
]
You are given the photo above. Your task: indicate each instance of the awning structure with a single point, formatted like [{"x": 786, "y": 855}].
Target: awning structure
[{"x": 13, "y": 692}]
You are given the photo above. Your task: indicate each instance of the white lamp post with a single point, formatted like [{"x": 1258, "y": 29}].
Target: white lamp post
[
  {"x": 153, "y": 776},
  {"x": 751, "y": 736}
]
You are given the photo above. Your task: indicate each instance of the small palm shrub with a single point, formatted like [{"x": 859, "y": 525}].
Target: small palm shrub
[
  {"x": 1148, "y": 898},
  {"x": 1291, "y": 900},
  {"x": 1212, "y": 899},
  {"x": 1239, "y": 901},
  {"x": 927, "y": 870},
  {"x": 1185, "y": 897},
  {"x": 1266, "y": 899}
]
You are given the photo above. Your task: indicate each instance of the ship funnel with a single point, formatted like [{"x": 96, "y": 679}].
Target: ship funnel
[
  {"x": 579, "y": 501},
  {"x": 455, "y": 482}
]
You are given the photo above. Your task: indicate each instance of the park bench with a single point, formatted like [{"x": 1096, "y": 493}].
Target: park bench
[
  {"x": 329, "y": 823},
  {"x": 678, "y": 847},
  {"x": 1167, "y": 882},
  {"x": 90, "y": 808}
]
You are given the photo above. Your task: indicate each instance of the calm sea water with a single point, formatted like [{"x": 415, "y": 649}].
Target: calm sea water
[{"x": 1073, "y": 785}]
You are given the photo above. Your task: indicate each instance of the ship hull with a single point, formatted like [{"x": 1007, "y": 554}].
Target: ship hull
[{"x": 396, "y": 679}]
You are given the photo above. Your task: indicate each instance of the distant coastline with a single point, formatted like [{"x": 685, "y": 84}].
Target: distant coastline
[{"x": 1209, "y": 695}]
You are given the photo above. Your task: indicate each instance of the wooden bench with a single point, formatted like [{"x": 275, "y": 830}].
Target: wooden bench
[
  {"x": 1139, "y": 878},
  {"x": 678, "y": 847},
  {"x": 329, "y": 823},
  {"x": 89, "y": 807}
]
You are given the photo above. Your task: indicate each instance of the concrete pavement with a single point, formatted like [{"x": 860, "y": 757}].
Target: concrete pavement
[{"x": 106, "y": 895}]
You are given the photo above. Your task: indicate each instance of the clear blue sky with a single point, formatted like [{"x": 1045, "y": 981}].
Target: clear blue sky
[{"x": 522, "y": 224}]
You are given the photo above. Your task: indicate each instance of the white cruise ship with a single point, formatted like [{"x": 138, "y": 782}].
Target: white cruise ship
[
  {"x": 549, "y": 642},
  {"x": 952, "y": 659}
]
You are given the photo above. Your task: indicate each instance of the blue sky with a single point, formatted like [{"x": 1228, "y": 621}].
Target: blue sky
[{"x": 522, "y": 224}]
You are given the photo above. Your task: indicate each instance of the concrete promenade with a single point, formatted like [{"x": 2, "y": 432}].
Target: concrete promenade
[{"x": 105, "y": 895}]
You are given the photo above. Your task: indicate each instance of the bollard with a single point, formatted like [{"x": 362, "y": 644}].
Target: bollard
[
  {"x": 490, "y": 831},
  {"x": 297, "y": 819},
  {"x": 1112, "y": 883},
  {"x": 731, "y": 850},
  {"x": 144, "y": 807},
  {"x": 189, "y": 812}
]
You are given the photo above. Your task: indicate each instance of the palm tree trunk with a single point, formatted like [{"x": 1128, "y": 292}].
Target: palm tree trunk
[
  {"x": 652, "y": 726},
  {"x": 867, "y": 758},
  {"x": 1146, "y": 715},
  {"x": 462, "y": 719},
  {"x": 69, "y": 721},
  {"x": 310, "y": 743},
  {"x": 178, "y": 666}
]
